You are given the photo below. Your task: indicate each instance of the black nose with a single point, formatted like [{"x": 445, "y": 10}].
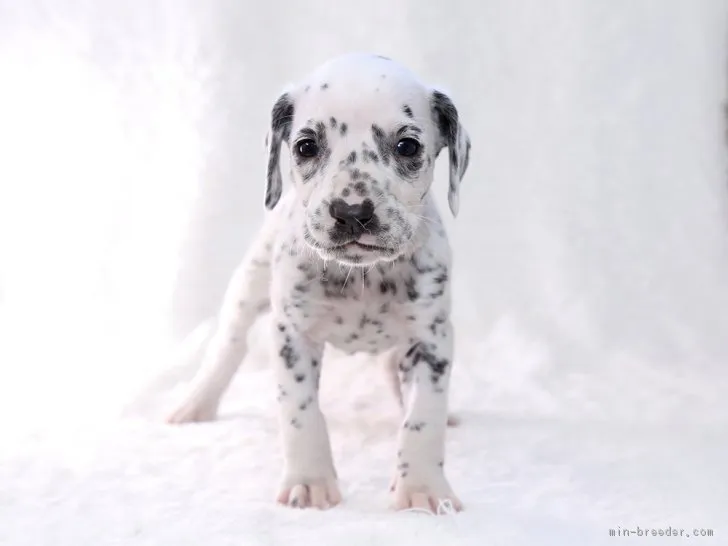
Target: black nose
[{"x": 354, "y": 217}]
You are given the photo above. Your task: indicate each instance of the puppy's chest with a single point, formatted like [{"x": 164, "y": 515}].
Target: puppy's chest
[{"x": 354, "y": 311}]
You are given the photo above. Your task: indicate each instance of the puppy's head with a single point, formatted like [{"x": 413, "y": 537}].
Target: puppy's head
[{"x": 363, "y": 135}]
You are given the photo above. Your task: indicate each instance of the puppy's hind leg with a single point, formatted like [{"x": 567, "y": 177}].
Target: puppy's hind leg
[{"x": 247, "y": 296}]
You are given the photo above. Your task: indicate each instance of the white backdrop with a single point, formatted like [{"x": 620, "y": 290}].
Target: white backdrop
[{"x": 591, "y": 247}]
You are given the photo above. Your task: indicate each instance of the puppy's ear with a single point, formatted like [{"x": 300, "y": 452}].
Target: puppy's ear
[
  {"x": 281, "y": 119},
  {"x": 454, "y": 137}
]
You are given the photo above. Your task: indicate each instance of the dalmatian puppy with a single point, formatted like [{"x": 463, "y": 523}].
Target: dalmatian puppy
[{"x": 353, "y": 256}]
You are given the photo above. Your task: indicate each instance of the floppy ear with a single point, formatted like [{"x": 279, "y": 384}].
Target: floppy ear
[
  {"x": 453, "y": 136},
  {"x": 281, "y": 118}
]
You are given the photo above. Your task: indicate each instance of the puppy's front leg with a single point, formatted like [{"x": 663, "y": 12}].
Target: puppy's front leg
[
  {"x": 309, "y": 477},
  {"x": 420, "y": 481}
]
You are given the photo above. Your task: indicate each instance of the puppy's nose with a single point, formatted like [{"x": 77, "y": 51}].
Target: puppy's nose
[{"x": 355, "y": 217}]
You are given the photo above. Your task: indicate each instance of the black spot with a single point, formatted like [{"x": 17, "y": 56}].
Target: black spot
[
  {"x": 324, "y": 86},
  {"x": 361, "y": 189},
  {"x": 396, "y": 216},
  {"x": 351, "y": 159},
  {"x": 411, "y": 350},
  {"x": 411, "y": 288},
  {"x": 407, "y": 111},
  {"x": 314, "y": 363},
  {"x": 421, "y": 267},
  {"x": 346, "y": 192},
  {"x": 295, "y": 423},
  {"x": 387, "y": 286},
  {"x": 437, "y": 293},
  {"x": 437, "y": 321},
  {"x": 289, "y": 354},
  {"x": 333, "y": 123},
  {"x": 421, "y": 353},
  {"x": 438, "y": 366},
  {"x": 298, "y": 287},
  {"x": 370, "y": 155},
  {"x": 343, "y": 129},
  {"x": 415, "y": 426},
  {"x": 299, "y": 377}
]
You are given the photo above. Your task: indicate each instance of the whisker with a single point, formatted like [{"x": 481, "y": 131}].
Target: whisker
[
  {"x": 363, "y": 276},
  {"x": 346, "y": 279}
]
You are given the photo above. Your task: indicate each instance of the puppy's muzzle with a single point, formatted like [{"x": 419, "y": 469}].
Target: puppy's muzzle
[{"x": 352, "y": 221}]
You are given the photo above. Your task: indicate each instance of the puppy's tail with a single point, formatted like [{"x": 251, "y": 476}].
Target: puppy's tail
[{"x": 247, "y": 297}]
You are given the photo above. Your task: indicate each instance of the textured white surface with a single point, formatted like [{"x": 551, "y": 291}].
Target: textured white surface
[{"x": 591, "y": 291}]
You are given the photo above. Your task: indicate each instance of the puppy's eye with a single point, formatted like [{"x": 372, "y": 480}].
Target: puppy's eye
[
  {"x": 307, "y": 148},
  {"x": 408, "y": 147}
]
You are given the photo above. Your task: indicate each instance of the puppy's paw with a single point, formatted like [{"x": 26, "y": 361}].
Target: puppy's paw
[
  {"x": 432, "y": 494},
  {"x": 319, "y": 494}
]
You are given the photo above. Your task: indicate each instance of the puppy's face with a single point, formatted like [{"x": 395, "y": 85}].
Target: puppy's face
[{"x": 363, "y": 135}]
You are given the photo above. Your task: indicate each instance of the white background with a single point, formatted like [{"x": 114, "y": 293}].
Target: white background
[{"x": 591, "y": 284}]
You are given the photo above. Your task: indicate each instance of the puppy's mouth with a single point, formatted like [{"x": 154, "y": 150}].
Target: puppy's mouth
[
  {"x": 362, "y": 246},
  {"x": 352, "y": 252}
]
